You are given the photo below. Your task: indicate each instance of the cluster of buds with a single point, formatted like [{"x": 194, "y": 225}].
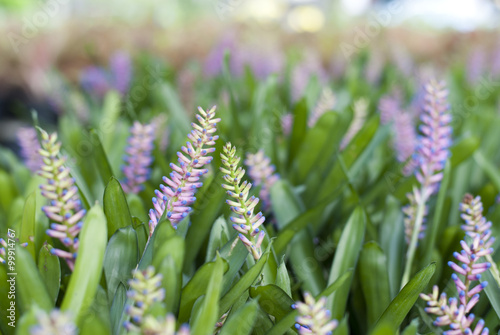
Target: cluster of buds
[
  {"x": 65, "y": 208},
  {"x": 55, "y": 323},
  {"x": 29, "y": 145},
  {"x": 138, "y": 158},
  {"x": 245, "y": 221},
  {"x": 162, "y": 326},
  {"x": 262, "y": 173},
  {"x": 454, "y": 312},
  {"x": 178, "y": 195},
  {"x": 326, "y": 102},
  {"x": 144, "y": 291},
  {"x": 313, "y": 317}
]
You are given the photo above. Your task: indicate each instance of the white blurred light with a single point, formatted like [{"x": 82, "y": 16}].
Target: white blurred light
[
  {"x": 308, "y": 19},
  {"x": 356, "y": 7}
]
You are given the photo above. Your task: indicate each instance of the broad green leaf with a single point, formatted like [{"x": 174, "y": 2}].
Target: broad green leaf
[
  {"x": 286, "y": 207},
  {"x": 346, "y": 257},
  {"x": 247, "y": 280},
  {"x": 219, "y": 236},
  {"x": 374, "y": 280},
  {"x": 97, "y": 318},
  {"x": 115, "y": 207},
  {"x": 83, "y": 284},
  {"x": 194, "y": 289},
  {"x": 489, "y": 168},
  {"x": 30, "y": 288},
  {"x": 210, "y": 199},
  {"x": 117, "y": 307},
  {"x": 283, "y": 279},
  {"x": 492, "y": 291},
  {"x": 27, "y": 231},
  {"x": 50, "y": 271},
  {"x": 273, "y": 300},
  {"x": 100, "y": 158},
  {"x": 404, "y": 301},
  {"x": 412, "y": 328},
  {"x": 8, "y": 191},
  {"x": 110, "y": 113},
  {"x": 241, "y": 321},
  {"x": 121, "y": 257},
  {"x": 204, "y": 322},
  {"x": 299, "y": 129}
]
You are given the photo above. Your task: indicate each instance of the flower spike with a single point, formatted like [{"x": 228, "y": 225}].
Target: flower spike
[
  {"x": 181, "y": 185},
  {"x": 262, "y": 174},
  {"x": 313, "y": 317},
  {"x": 55, "y": 323},
  {"x": 65, "y": 208},
  {"x": 163, "y": 326},
  {"x": 28, "y": 142},
  {"x": 138, "y": 158},
  {"x": 144, "y": 292},
  {"x": 245, "y": 221}
]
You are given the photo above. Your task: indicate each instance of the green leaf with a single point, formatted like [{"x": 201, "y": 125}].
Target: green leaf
[
  {"x": 110, "y": 114},
  {"x": 83, "y": 283},
  {"x": 247, "y": 280},
  {"x": 117, "y": 307},
  {"x": 115, "y": 207},
  {"x": 404, "y": 301},
  {"x": 100, "y": 158},
  {"x": 219, "y": 236},
  {"x": 241, "y": 321},
  {"x": 374, "y": 281},
  {"x": 346, "y": 257},
  {"x": 194, "y": 289},
  {"x": 489, "y": 168},
  {"x": 283, "y": 279},
  {"x": 28, "y": 223},
  {"x": 30, "y": 288},
  {"x": 121, "y": 257},
  {"x": 286, "y": 206},
  {"x": 299, "y": 129},
  {"x": 204, "y": 322},
  {"x": 210, "y": 199},
  {"x": 492, "y": 291},
  {"x": 273, "y": 300},
  {"x": 169, "y": 99},
  {"x": 50, "y": 271}
]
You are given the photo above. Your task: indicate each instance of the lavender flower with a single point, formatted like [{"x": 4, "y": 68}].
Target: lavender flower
[
  {"x": 3, "y": 254},
  {"x": 65, "y": 208},
  {"x": 475, "y": 65},
  {"x": 162, "y": 133},
  {"x": 28, "y": 142},
  {"x": 138, "y": 158},
  {"x": 495, "y": 65},
  {"x": 144, "y": 291},
  {"x": 262, "y": 174},
  {"x": 360, "y": 110},
  {"x": 162, "y": 326},
  {"x": 389, "y": 106},
  {"x": 287, "y": 123},
  {"x": 405, "y": 142},
  {"x": 326, "y": 102},
  {"x": 302, "y": 73},
  {"x": 454, "y": 312},
  {"x": 374, "y": 67},
  {"x": 55, "y": 323},
  {"x": 121, "y": 71},
  {"x": 432, "y": 153},
  {"x": 245, "y": 222},
  {"x": 313, "y": 317},
  {"x": 176, "y": 197}
]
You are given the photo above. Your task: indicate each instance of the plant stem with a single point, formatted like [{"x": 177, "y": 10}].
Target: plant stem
[{"x": 412, "y": 247}]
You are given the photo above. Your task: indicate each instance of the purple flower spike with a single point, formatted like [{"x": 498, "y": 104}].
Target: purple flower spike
[
  {"x": 28, "y": 142},
  {"x": 262, "y": 174},
  {"x": 432, "y": 153},
  {"x": 313, "y": 317},
  {"x": 245, "y": 221},
  {"x": 389, "y": 107},
  {"x": 405, "y": 142},
  {"x": 455, "y": 312},
  {"x": 121, "y": 71},
  {"x": 326, "y": 102},
  {"x": 138, "y": 158},
  {"x": 178, "y": 195},
  {"x": 95, "y": 80},
  {"x": 145, "y": 290},
  {"x": 65, "y": 209}
]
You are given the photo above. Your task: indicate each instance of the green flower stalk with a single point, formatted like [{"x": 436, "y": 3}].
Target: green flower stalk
[
  {"x": 144, "y": 292},
  {"x": 313, "y": 317},
  {"x": 55, "y": 323},
  {"x": 65, "y": 208},
  {"x": 245, "y": 222},
  {"x": 162, "y": 326}
]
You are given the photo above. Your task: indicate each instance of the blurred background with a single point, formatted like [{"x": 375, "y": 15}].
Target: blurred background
[{"x": 53, "y": 51}]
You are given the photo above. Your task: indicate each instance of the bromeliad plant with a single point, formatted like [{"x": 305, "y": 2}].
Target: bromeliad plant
[{"x": 91, "y": 259}]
